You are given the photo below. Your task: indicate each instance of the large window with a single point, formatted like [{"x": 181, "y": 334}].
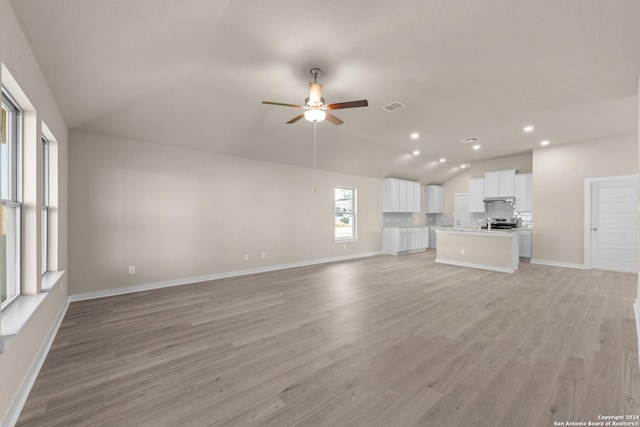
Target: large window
[
  {"x": 10, "y": 214},
  {"x": 345, "y": 213},
  {"x": 45, "y": 204}
]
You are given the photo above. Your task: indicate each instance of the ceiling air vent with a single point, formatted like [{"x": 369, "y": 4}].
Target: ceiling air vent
[
  {"x": 393, "y": 106},
  {"x": 469, "y": 140}
]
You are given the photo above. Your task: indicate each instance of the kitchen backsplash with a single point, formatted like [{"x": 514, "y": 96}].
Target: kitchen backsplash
[
  {"x": 525, "y": 219},
  {"x": 494, "y": 210},
  {"x": 440, "y": 219},
  {"x": 502, "y": 210},
  {"x": 396, "y": 219}
]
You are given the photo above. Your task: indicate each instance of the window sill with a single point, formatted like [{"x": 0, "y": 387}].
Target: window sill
[
  {"x": 347, "y": 240},
  {"x": 49, "y": 280},
  {"x": 17, "y": 315}
]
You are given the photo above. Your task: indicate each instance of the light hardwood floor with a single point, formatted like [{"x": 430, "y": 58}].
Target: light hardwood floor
[{"x": 380, "y": 341}]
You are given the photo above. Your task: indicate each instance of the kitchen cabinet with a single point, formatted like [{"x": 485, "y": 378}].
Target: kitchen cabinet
[
  {"x": 524, "y": 243},
  {"x": 500, "y": 183},
  {"x": 424, "y": 241},
  {"x": 434, "y": 198},
  {"x": 433, "y": 243},
  {"x": 400, "y": 196},
  {"x": 524, "y": 192},
  {"x": 476, "y": 195},
  {"x": 399, "y": 240}
]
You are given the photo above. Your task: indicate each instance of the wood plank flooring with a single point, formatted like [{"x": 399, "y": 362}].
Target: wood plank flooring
[{"x": 380, "y": 341}]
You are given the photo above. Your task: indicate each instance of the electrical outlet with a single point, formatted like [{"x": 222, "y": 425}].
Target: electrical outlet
[
  {"x": 264, "y": 255},
  {"x": 246, "y": 257},
  {"x": 132, "y": 269},
  {"x": 462, "y": 251}
]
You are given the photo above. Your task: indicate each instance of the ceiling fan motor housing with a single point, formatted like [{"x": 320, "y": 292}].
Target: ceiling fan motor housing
[{"x": 311, "y": 104}]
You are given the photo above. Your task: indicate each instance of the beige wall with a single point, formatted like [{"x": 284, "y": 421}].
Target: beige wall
[
  {"x": 17, "y": 57},
  {"x": 176, "y": 213},
  {"x": 457, "y": 184},
  {"x": 558, "y": 191},
  {"x": 522, "y": 163}
]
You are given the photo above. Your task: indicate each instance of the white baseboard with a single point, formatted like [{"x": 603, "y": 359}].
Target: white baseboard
[
  {"x": 558, "y": 264},
  {"x": 12, "y": 415},
  {"x": 636, "y": 309},
  {"x": 209, "y": 277}
]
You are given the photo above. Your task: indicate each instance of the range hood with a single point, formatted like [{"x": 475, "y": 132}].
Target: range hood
[{"x": 499, "y": 199}]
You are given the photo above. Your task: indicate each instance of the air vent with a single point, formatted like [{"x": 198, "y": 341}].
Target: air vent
[
  {"x": 393, "y": 106},
  {"x": 469, "y": 140}
]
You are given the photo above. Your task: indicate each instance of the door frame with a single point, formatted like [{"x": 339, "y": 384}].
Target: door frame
[
  {"x": 588, "y": 186},
  {"x": 455, "y": 207}
]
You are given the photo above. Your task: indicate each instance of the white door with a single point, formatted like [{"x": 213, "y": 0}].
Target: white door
[
  {"x": 463, "y": 216},
  {"x": 614, "y": 224}
]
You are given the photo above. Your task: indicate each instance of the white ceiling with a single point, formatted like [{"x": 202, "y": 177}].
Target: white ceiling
[{"x": 193, "y": 74}]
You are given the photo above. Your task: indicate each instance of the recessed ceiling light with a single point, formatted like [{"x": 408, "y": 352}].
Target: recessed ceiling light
[
  {"x": 545, "y": 142},
  {"x": 442, "y": 160},
  {"x": 416, "y": 152},
  {"x": 414, "y": 135},
  {"x": 476, "y": 147},
  {"x": 463, "y": 166},
  {"x": 528, "y": 128}
]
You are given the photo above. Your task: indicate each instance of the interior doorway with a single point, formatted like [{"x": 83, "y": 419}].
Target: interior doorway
[
  {"x": 462, "y": 214},
  {"x": 611, "y": 223}
]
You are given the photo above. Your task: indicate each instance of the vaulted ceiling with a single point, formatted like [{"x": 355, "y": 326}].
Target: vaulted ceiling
[{"x": 193, "y": 74}]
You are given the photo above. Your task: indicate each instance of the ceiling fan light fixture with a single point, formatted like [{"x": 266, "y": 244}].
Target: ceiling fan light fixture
[{"x": 315, "y": 115}]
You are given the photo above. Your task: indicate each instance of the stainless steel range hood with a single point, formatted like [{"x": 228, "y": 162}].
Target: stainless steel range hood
[{"x": 499, "y": 199}]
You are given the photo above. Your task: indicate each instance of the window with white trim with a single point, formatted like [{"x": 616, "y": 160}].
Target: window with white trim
[
  {"x": 45, "y": 204},
  {"x": 11, "y": 212},
  {"x": 345, "y": 206}
]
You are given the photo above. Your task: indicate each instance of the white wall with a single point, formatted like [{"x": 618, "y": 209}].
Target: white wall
[
  {"x": 177, "y": 213},
  {"x": 17, "y": 57},
  {"x": 558, "y": 191}
]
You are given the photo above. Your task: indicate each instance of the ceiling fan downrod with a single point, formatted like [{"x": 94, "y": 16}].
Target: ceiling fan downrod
[{"x": 315, "y": 72}]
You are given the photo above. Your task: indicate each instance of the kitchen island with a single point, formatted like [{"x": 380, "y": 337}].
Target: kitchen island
[{"x": 488, "y": 250}]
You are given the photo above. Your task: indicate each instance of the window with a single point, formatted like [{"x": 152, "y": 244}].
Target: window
[
  {"x": 345, "y": 213},
  {"x": 10, "y": 214},
  {"x": 45, "y": 204}
]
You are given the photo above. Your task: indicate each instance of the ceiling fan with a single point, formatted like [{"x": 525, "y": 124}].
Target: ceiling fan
[{"x": 315, "y": 106}]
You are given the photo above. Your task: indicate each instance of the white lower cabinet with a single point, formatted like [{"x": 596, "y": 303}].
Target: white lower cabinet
[
  {"x": 524, "y": 244},
  {"x": 400, "y": 240},
  {"x": 425, "y": 237}
]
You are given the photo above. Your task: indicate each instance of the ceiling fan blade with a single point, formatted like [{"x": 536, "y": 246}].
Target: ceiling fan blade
[
  {"x": 350, "y": 104},
  {"x": 315, "y": 93},
  {"x": 295, "y": 119},
  {"x": 333, "y": 119},
  {"x": 282, "y": 104}
]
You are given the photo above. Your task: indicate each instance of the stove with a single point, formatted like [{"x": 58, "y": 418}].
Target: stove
[{"x": 501, "y": 223}]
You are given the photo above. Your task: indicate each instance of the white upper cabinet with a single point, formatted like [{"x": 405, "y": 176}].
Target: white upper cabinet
[
  {"x": 500, "y": 183},
  {"x": 476, "y": 195},
  {"x": 400, "y": 195},
  {"x": 435, "y": 198},
  {"x": 524, "y": 192}
]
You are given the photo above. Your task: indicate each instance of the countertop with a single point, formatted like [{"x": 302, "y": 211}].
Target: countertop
[
  {"x": 452, "y": 228},
  {"x": 405, "y": 226}
]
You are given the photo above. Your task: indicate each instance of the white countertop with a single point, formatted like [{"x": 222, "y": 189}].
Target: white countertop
[
  {"x": 475, "y": 230},
  {"x": 405, "y": 226}
]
